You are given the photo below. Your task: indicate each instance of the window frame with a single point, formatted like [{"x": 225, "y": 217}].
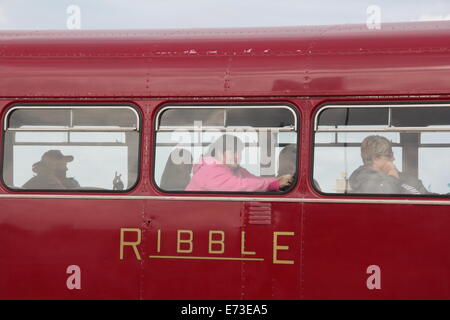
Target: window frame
[
  {"x": 49, "y": 106},
  {"x": 397, "y": 104},
  {"x": 285, "y": 105}
]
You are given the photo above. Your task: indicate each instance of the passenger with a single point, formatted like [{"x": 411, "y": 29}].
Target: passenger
[
  {"x": 220, "y": 171},
  {"x": 177, "y": 174},
  {"x": 287, "y": 163},
  {"x": 379, "y": 174},
  {"x": 286, "y": 160},
  {"x": 51, "y": 173}
]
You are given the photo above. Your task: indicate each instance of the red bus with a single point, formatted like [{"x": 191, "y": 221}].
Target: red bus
[{"x": 104, "y": 132}]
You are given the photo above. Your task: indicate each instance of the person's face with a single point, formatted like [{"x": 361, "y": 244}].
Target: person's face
[
  {"x": 384, "y": 162},
  {"x": 232, "y": 159},
  {"x": 60, "y": 168}
]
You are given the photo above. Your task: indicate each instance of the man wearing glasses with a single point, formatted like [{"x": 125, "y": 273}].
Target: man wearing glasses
[{"x": 379, "y": 173}]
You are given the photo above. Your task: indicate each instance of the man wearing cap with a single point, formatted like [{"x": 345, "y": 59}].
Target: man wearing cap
[{"x": 51, "y": 173}]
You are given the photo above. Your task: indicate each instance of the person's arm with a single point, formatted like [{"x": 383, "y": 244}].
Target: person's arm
[
  {"x": 412, "y": 185},
  {"x": 408, "y": 184},
  {"x": 224, "y": 180},
  {"x": 283, "y": 182}
]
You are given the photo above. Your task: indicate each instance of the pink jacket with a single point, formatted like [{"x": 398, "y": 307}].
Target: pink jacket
[{"x": 211, "y": 175}]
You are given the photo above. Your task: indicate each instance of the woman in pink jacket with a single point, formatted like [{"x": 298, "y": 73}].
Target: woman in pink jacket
[{"x": 221, "y": 171}]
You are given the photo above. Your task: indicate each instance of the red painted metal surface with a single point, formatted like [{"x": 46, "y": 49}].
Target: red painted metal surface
[
  {"x": 349, "y": 60},
  {"x": 329, "y": 246}
]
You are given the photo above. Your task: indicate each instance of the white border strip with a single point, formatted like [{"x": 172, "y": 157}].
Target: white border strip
[{"x": 226, "y": 199}]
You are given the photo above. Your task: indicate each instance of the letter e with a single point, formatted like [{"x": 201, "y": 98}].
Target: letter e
[{"x": 277, "y": 247}]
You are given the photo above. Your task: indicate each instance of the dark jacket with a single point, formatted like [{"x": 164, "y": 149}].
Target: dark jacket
[
  {"x": 44, "y": 182},
  {"x": 367, "y": 180}
]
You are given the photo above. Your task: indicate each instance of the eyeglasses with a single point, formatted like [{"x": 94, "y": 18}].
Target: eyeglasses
[{"x": 389, "y": 155}]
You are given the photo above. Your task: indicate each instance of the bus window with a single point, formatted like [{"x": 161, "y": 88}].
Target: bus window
[
  {"x": 69, "y": 148},
  {"x": 391, "y": 150},
  {"x": 226, "y": 148}
]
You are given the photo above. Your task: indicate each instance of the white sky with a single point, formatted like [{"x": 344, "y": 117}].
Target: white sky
[{"x": 156, "y": 14}]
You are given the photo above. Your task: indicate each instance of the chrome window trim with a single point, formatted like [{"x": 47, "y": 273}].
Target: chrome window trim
[
  {"x": 237, "y": 106},
  {"x": 218, "y": 129},
  {"x": 389, "y": 106},
  {"x": 391, "y": 129},
  {"x": 77, "y": 129},
  {"x": 81, "y": 129}
]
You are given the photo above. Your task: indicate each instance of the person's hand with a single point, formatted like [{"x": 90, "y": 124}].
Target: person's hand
[
  {"x": 391, "y": 170},
  {"x": 285, "y": 180},
  {"x": 117, "y": 182}
]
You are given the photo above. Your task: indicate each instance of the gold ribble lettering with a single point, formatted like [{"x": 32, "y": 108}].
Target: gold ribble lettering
[
  {"x": 220, "y": 242},
  {"x": 277, "y": 247},
  {"x": 158, "y": 242},
  {"x": 133, "y": 244},
  {"x": 186, "y": 241},
  {"x": 243, "y": 252}
]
